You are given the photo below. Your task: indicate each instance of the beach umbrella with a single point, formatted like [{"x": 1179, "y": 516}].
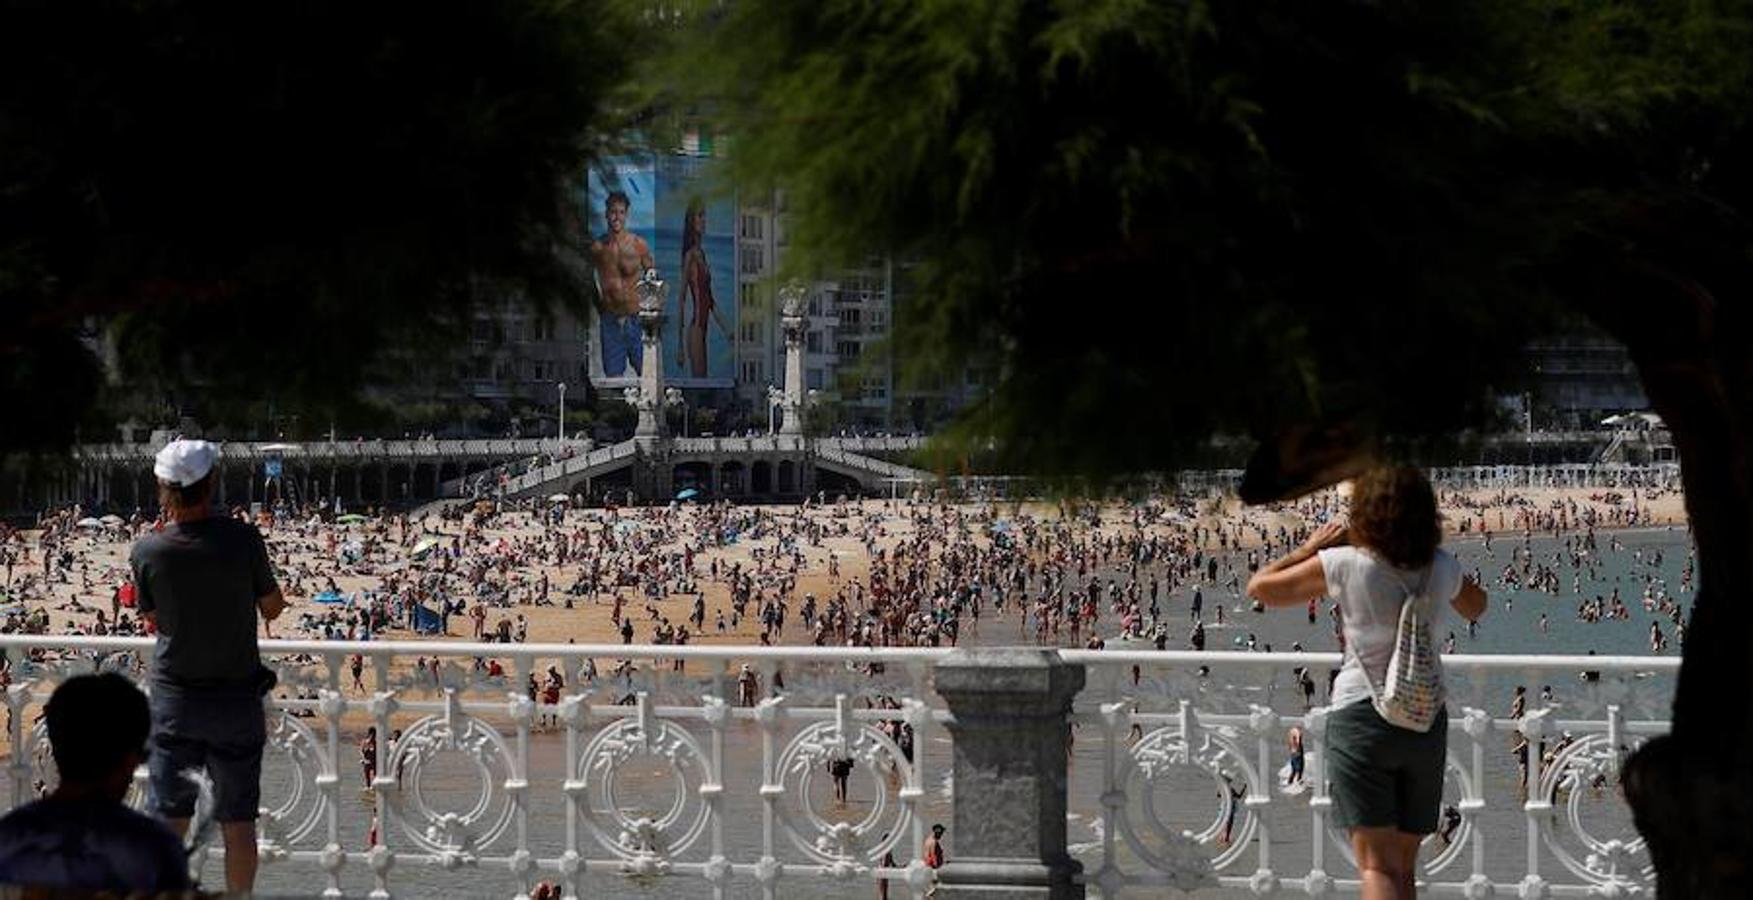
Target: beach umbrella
[
  {"x": 350, "y": 519},
  {"x": 329, "y": 598},
  {"x": 426, "y": 546},
  {"x": 112, "y": 519},
  {"x": 687, "y": 494},
  {"x": 89, "y": 522},
  {"x": 559, "y": 498}
]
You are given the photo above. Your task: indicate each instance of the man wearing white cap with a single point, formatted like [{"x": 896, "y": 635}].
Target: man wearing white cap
[{"x": 202, "y": 581}]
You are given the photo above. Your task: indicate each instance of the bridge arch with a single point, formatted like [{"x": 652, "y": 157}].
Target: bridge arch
[
  {"x": 761, "y": 477},
  {"x": 733, "y": 479},
  {"x": 695, "y": 474}
]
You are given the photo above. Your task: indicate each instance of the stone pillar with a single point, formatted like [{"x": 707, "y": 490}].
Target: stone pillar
[
  {"x": 650, "y": 398},
  {"x": 791, "y": 319},
  {"x": 1010, "y": 710}
]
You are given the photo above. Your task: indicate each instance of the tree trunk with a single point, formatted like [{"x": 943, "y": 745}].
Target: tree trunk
[{"x": 1691, "y": 791}]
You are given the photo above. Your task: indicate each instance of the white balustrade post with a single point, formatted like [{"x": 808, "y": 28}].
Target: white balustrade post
[
  {"x": 389, "y": 776},
  {"x": 523, "y": 712},
  {"x": 329, "y": 782},
  {"x": 17, "y": 696}
]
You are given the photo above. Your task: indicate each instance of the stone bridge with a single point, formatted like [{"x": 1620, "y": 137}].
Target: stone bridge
[
  {"x": 771, "y": 466},
  {"x": 119, "y": 477}
]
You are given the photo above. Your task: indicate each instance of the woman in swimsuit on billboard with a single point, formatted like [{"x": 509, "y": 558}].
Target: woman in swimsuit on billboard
[{"x": 697, "y": 285}]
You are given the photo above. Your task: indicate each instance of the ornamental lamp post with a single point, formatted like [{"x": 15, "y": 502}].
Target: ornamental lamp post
[
  {"x": 673, "y": 396},
  {"x": 775, "y": 397},
  {"x": 561, "y": 430}
]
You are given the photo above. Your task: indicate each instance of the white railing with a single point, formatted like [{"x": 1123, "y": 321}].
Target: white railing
[
  {"x": 649, "y": 773},
  {"x": 742, "y": 790},
  {"x": 1183, "y": 753}
]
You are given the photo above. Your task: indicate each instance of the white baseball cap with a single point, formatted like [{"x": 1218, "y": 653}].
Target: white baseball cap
[{"x": 183, "y": 463}]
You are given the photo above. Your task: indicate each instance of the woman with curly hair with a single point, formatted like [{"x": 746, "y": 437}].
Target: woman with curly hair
[{"x": 1386, "y": 781}]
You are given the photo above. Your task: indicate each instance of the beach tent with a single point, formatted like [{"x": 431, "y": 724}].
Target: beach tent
[{"x": 426, "y": 621}]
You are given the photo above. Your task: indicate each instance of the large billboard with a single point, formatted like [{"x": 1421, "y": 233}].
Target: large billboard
[{"x": 662, "y": 211}]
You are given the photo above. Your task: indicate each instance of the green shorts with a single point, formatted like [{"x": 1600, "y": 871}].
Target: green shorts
[{"x": 1383, "y": 776}]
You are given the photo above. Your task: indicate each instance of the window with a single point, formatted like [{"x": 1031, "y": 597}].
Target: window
[
  {"x": 813, "y": 379},
  {"x": 539, "y": 370},
  {"x": 813, "y": 342},
  {"x": 751, "y": 333},
  {"x": 815, "y": 304},
  {"x": 751, "y": 228},
  {"x": 753, "y": 260},
  {"x": 751, "y": 372},
  {"x": 848, "y": 349}
]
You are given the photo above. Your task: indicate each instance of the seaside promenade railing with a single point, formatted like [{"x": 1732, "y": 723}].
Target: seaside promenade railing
[{"x": 1114, "y": 773}]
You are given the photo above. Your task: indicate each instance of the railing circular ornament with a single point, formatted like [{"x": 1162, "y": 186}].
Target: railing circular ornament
[
  {"x": 299, "y": 813},
  {"x": 1217, "y": 756},
  {"x": 847, "y": 845},
  {"x": 1589, "y": 767},
  {"x": 646, "y": 840},
  {"x": 451, "y": 834}
]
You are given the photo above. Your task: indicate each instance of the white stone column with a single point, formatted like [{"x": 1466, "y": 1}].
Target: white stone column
[
  {"x": 791, "y": 319},
  {"x": 649, "y": 401}
]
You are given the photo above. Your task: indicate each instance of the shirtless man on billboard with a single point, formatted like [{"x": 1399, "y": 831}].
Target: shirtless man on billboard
[{"x": 620, "y": 258}]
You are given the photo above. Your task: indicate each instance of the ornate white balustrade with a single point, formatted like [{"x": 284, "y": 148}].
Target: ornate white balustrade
[
  {"x": 671, "y": 780},
  {"x": 1194, "y": 745}
]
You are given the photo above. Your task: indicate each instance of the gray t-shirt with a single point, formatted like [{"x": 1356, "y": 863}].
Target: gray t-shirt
[
  {"x": 1370, "y": 591},
  {"x": 203, "y": 578}
]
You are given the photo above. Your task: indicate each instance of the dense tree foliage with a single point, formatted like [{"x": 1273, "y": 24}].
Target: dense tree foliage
[
  {"x": 245, "y": 202},
  {"x": 1329, "y": 225}
]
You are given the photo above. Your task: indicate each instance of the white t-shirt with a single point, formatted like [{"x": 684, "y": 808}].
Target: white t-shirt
[{"x": 1370, "y": 591}]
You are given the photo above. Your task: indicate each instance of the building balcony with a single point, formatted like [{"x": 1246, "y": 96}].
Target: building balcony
[{"x": 669, "y": 769}]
